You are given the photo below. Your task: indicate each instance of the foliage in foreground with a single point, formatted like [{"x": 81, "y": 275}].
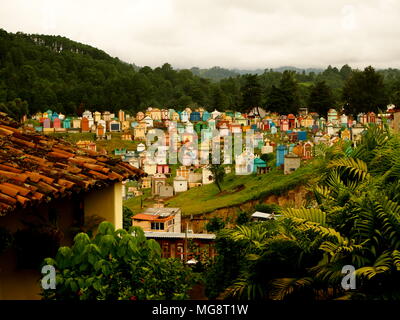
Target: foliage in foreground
[
  {"x": 117, "y": 265},
  {"x": 354, "y": 220}
]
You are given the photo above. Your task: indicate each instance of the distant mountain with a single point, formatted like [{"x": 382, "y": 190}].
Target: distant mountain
[
  {"x": 214, "y": 73},
  {"x": 218, "y": 73}
]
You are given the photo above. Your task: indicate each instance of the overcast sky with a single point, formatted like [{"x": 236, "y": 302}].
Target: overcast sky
[{"x": 226, "y": 33}]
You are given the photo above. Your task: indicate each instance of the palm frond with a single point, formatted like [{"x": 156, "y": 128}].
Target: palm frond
[
  {"x": 283, "y": 287},
  {"x": 354, "y": 166}
]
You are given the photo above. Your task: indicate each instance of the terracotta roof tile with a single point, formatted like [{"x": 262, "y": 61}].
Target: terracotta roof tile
[{"x": 36, "y": 168}]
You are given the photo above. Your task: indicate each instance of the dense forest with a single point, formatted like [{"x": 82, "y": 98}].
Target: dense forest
[{"x": 38, "y": 72}]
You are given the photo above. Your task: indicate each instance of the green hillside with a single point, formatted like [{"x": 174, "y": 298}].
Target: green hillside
[{"x": 236, "y": 190}]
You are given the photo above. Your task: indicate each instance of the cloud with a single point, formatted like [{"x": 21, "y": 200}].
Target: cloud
[{"x": 228, "y": 33}]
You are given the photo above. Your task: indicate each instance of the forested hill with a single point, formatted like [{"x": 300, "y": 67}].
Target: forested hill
[{"x": 38, "y": 72}]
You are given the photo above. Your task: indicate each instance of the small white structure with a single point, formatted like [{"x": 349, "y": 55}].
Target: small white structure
[
  {"x": 140, "y": 147},
  {"x": 267, "y": 148},
  {"x": 207, "y": 176},
  {"x": 215, "y": 114},
  {"x": 258, "y": 215},
  {"x": 180, "y": 184},
  {"x": 149, "y": 121}
]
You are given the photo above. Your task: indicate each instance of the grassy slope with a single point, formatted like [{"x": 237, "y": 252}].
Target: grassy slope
[
  {"x": 109, "y": 145},
  {"x": 205, "y": 198}
]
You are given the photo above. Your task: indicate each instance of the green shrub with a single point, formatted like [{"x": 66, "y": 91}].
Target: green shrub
[{"x": 117, "y": 265}]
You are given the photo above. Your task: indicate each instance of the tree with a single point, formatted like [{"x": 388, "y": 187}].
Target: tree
[
  {"x": 285, "y": 98},
  {"x": 321, "y": 98},
  {"x": 365, "y": 91},
  {"x": 251, "y": 93},
  {"x": 396, "y": 99},
  {"x": 353, "y": 220},
  {"x": 218, "y": 173},
  {"x": 345, "y": 71},
  {"x": 117, "y": 265},
  {"x": 215, "y": 224},
  {"x": 127, "y": 217},
  {"x": 267, "y": 157},
  {"x": 288, "y": 86}
]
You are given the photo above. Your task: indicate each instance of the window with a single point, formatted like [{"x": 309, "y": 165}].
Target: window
[
  {"x": 157, "y": 226},
  {"x": 165, "y": 250}
]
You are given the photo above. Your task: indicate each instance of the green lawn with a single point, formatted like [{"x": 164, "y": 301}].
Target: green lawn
[
  {"x": 238, "y": 189},
  {"x": 115, "y": 143}
]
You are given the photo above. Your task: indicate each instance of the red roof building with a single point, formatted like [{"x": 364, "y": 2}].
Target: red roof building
[{"x": 50, "y": 187}]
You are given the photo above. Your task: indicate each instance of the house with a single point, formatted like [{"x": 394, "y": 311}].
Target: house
[
  {"x": 371, "y": 117},
  {"x": 121, "y": 115},
  {"x": 158, "y": 219},
  {"x": 140, "y": 116},
  {"x": 267, "y": 148},
  {"x": 284, "y": 125},
  {"x": 257, "y": 112},
  {"x": 307, "y": 150},
  {"x": 333, "y": 116},
  {"x": 194, "y": 179},
  {"x": 150, "y": 167},
  {"x": 85, "y": 124},
  {"x": 244, "y": 163},
  {"x": 207, "y": 176},
  {"x": 260, "y": 166},
  {"x": 145, "y": 183},
  {"x": 291, "y": 163},
  {"x": 48, "y": 182},
  {"x": 57, "y": 123},
  {"x": 140, "y": 132},
  {"x": 67, "y": 123},
  {"x": 345, "y": 134},
  {"x": 206, "y": 115},
  {"x": 164, "y": 226},
  {"x": 87, "y": 114},
  {"x": 281, "y": 151},
  {"x": 180, "y": 184},
  {"x": 140, "y": 147},
  {"x": 148, "y": 122},
  {"x": 174, "y": 116},
  {"x": 235, "y": 128},
  {"x": 100, "y": 132},
  {"x": 195, "y": 116},
  {"x": 96, "y": 116},
  {"x": 114, "y": 126},
  {"x": 166, "y": 191},
  {"x": 76, "y": 123},
  {"x": 176, "y": 244},
  {"x": 163, "y": 169},
  {"x": 292, "y": 121},
  {"x": 107, "y": 116},
  {"x": 157, "y": 181},
  {"x": 164, "y": 114},
  {"x": 46, "y": 123},
  {"x": 183, "y": 171}
]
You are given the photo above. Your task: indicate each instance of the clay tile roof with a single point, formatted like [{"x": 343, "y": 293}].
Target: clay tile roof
[{"x": 36, "y": 168}]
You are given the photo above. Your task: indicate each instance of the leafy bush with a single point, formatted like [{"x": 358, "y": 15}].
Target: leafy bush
[
  {"x": 268, "y": 208},
  {"x": 117, "y": 265},
  {"x": 215, "y": 224},
  {"x": 243, "y": 217}
]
